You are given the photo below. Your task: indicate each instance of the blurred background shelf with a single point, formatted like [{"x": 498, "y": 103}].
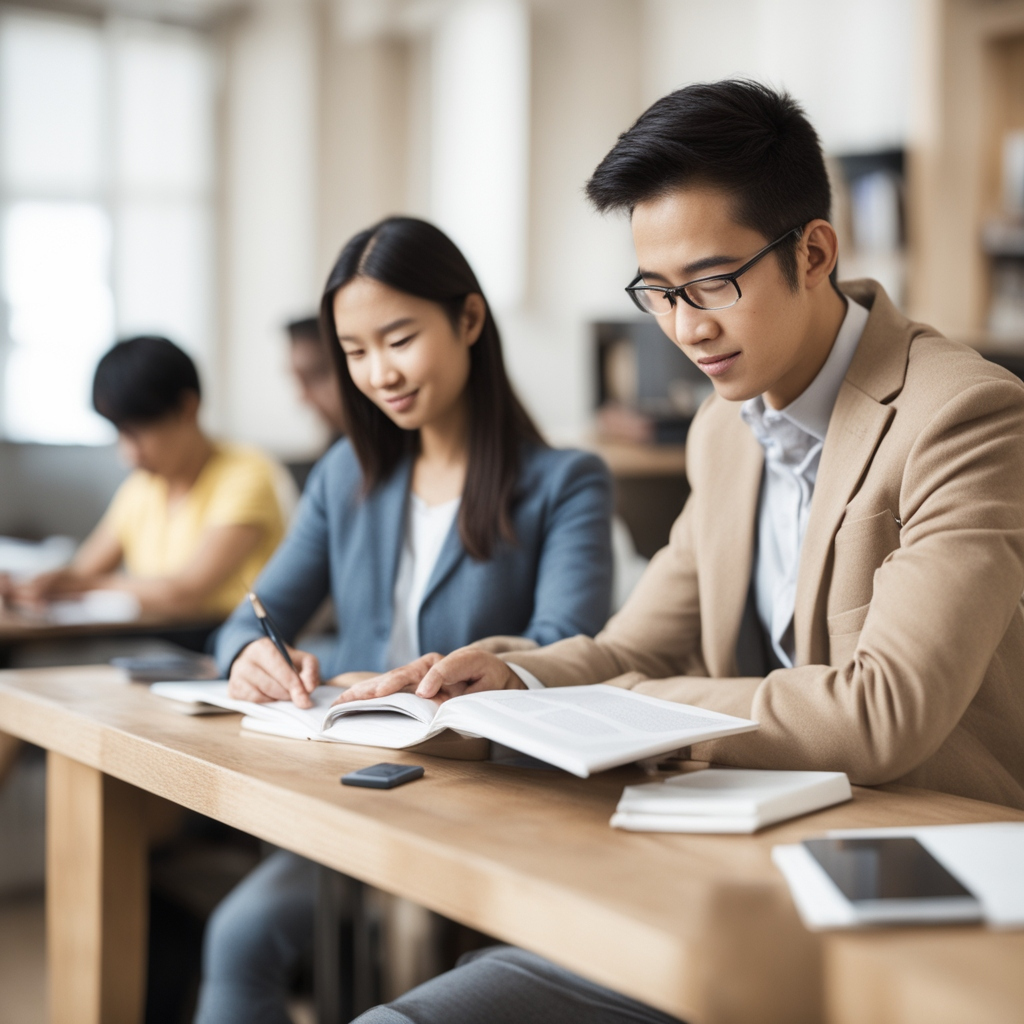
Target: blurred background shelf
[{"x": 966, "y": 173}]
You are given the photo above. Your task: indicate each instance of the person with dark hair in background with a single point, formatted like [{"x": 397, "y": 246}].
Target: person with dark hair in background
[
  {"x": 191, "y": 527},
  {"x": 313, "y": 368},
  {"x": 442, "y": 518},
  {"x": 848, "y": 568}
]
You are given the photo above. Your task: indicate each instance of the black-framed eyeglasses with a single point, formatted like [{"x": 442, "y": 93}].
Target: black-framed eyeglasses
[{"x": 718, "y": 292}]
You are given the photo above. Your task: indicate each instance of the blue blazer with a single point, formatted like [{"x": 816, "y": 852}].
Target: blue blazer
[{"x": 555, "y": 581}]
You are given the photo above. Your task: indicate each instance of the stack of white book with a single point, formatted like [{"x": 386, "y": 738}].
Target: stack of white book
[{"x": 727, "y": 800}]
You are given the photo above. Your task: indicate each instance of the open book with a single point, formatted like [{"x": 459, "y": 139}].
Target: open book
[{"x": 581, "y": 729}]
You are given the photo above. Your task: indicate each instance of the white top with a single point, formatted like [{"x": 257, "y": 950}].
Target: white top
[
  {"x": 792, "y": 439},
  {"x": 426, "y": 528}
]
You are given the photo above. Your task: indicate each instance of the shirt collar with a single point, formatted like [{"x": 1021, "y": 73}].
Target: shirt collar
[{"x": 812, "y": 409}]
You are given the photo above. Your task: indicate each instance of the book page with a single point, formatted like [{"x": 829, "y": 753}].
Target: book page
[
  {"x": 401, "y": 720},
  {"x": 310, "y": 720},
  {"x": 407, "y": 704},
  {"x": 585, "y": 728}
]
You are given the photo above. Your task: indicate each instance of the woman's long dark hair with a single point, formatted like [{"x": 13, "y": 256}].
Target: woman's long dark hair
[{"x": 419, "y": 259}]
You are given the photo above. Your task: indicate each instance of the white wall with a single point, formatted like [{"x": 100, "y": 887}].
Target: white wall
[
  {"x": 847, "y": 61},
  {"x": 585, "y": 91},
  {"x": 270, "y": 195},
  {"x": 480, "y": 123},
  {"x": 333, "y": 124}
]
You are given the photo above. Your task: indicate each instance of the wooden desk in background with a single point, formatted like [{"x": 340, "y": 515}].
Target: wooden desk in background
[
  {"x": 20, "y": 631},
  {"x": 650, "y": 487},
  {"x": 700, "y": 926}
]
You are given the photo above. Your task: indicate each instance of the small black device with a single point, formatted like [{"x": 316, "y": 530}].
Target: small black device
[
  {"x": 893, "y": 878},
  {"x": 156, "y": 668},
  {"x": 383, "y": 776}
]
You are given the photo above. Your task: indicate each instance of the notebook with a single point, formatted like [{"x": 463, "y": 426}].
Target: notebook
[
  {"x": 581, "y": 729},
  {"x": 727, "y": 800}
]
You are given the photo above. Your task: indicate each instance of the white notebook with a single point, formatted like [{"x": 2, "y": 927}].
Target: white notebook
[
  {"x": 727, "y": 800},
  {"x": 582, "y": 729}
]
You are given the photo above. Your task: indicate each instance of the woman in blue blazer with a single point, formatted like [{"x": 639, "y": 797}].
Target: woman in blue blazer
[{"x": 441, "y": 519}]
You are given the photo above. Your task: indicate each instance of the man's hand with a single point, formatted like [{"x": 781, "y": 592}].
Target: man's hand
[
  {"x": 260, "y": 674},
  {"x": 467, "y": 670},
  {"x": 47, "y": 586}
]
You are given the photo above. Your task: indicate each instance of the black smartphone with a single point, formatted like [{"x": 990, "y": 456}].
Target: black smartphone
[
  {"x": 893, "y": 878},
  {"x": 383, "y": 776}
]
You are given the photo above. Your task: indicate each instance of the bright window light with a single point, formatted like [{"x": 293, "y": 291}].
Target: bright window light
[
  {"x": 164, "y": 269},
  {"x": 51, "y": 84},
  {"x": 163, "y": 110},
  {"x": 61, "y": 317},
  {"x": 106, "y": 208}
]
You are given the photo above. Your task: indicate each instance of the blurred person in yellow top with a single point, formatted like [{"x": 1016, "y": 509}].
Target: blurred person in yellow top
[{"x": 189, "y": 530}]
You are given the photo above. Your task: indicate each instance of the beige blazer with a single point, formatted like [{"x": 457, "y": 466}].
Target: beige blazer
[{"x": 909, "y": 625}]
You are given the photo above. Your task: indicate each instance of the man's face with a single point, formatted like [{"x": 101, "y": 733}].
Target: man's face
[
  {"x": 318, "y": 382},
  {"x": 751, "y": 347},
  {"x": 162, "y": 446}
]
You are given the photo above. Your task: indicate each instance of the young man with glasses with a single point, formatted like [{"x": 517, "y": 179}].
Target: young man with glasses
[{"x": 849, "y": 566}]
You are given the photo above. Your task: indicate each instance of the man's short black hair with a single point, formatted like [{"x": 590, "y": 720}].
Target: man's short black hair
[
  {"x": 305, "y": 329},
  {"x": 748, "y": 140},
  {"x": 142, "y": 380}
]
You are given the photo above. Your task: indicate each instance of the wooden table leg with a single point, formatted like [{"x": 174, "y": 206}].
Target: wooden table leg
[
  {"x": 96, "y": 896},
  {"x": 9, "y": 748},
  {"x": 346, "y": 968}
]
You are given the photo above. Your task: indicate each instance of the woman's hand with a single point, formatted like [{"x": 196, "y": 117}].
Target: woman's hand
[
  {"x": 406, "y": 678},
  {"x": 260, "y": 674},
  {"x": 467, "y": 670}
]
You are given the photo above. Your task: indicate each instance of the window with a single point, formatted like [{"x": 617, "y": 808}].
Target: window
[{"x": 106, "y": 208}]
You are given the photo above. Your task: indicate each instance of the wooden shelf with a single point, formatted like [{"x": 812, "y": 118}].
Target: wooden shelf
[{"x": 971, "y": 92}]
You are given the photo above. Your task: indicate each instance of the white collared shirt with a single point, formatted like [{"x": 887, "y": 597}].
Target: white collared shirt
[
  {"x": 426, "y": 529},
  {"x": 792, "y": 439}
]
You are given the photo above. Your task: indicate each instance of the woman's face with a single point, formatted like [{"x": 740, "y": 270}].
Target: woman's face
[{"x": 403, "y": 352}]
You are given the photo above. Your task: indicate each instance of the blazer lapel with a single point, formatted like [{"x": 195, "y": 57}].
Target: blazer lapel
[
  {"x": 726, "y": 544},
  {"x": 858, "y": 423},
  {"x": 452, "y": 552}
]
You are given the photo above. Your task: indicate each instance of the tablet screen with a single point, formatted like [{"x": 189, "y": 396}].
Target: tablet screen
[{"x": 892, "y": 868}]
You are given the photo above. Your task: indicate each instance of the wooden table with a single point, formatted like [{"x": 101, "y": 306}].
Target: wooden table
[
  {"x": 925, "y": 976},
  {"x": 700, "y": 926}
]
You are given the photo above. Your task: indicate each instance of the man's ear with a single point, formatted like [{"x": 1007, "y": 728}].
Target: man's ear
[
  {"x": 189, "y": 408},
  {"x": 818, "y": 252},
  {"x": 474, "y": 315}
]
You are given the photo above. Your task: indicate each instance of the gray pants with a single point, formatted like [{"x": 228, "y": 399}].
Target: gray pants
[
  {"x": 505, "y": 985},
  {"x": 254, "y": 942}
]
